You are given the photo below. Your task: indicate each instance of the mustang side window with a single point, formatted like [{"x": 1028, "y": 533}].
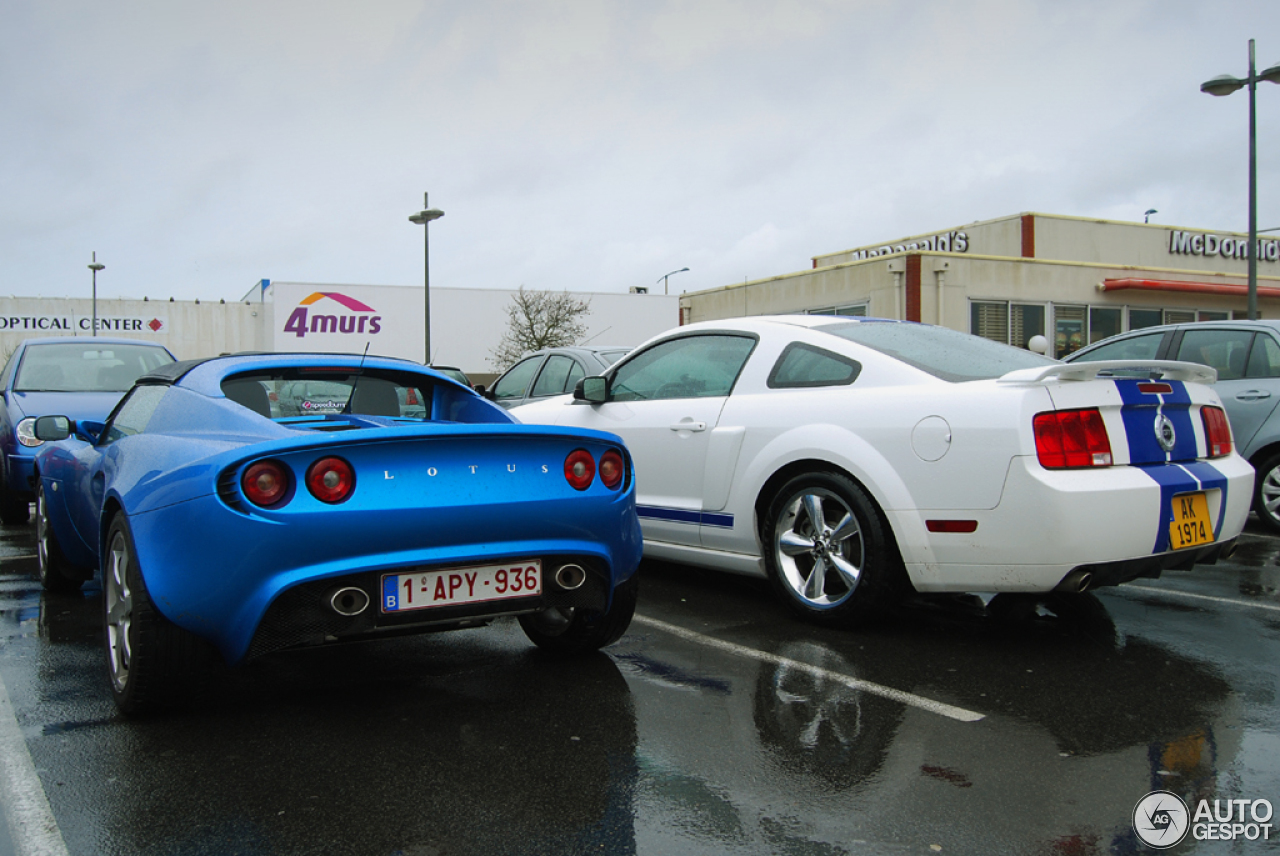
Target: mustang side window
[
  {"x": 804, "y": 366},
  {"x": 133, "y": 414},
  {"x": 685, "y": 367}
]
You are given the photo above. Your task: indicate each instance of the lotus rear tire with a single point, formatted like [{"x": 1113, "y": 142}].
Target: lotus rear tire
[
  {"x": 152, "y": 663},
  {"x": 573, "y": 631}
]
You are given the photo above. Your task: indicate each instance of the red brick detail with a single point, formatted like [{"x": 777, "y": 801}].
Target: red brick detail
[
  {"x": 913, "y": 287},
  {"x": 1028, "y": 236}
]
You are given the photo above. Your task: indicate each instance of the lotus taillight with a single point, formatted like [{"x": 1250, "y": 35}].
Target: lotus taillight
[
  {"x": 611, "y": 469},
  {"x": 1072, "y": 439},
  {"x": 266, "y": 483},
  {"x": 331, "y": 480},
  {"x": 1217, "y": 431},
  {"x": 579, "y": 469}
]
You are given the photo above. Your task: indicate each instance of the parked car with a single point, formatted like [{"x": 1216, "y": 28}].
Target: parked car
[
  {"x": 1246, "y": 355},
  {"x": 454, "y": 372},
  {"x": 217, "y": 524},
  {"x": 80, "y": 377},
  {"x": 551, "y": 371},
  {"x": 852, "y": 460}
]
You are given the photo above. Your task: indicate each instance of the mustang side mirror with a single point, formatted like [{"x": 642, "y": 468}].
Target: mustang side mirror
[
  {"x": 594, "y": 389},
  {"x": 52, "y": 428}
]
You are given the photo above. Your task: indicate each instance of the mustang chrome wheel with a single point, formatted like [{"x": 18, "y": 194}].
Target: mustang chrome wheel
[
  {"x": 118, "y": 597},
  {"x": 819, "y": 547},
  {"x": 828, "y": 553}
]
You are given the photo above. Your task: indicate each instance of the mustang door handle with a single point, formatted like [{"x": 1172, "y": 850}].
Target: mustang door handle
[
  {"x": 1253, "y": 395},
  {"x": 689, "y": 425}
]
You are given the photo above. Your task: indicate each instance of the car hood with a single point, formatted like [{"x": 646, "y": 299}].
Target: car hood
[{"x": 75, "y": 405}]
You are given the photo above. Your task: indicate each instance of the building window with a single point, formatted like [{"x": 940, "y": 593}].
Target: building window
[
  {"x": 857, "y": 309},
  {"x": 1010, "y": 323},
  {"x": 1069, "y": 331},
  {"x": 1179, "y": 316},
  {"x": 1104, "y": 322},
  {"x": 1140, "y": 318}
]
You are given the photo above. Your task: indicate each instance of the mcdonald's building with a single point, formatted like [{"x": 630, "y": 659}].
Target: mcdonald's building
[{"x": 1073, "y": 280}]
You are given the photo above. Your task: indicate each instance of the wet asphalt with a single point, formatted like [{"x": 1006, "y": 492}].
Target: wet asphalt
[{"x": 718, "y": 724}]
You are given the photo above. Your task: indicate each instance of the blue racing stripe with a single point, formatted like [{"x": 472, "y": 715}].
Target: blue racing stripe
[
  {"x": 684, "y": 515},
  {"x": 1139, "y": 412}
]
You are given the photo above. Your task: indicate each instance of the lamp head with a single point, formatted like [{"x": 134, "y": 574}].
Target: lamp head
[
  {"x": 426, "y": 216},
  {"x": 1223, "y": 84}
]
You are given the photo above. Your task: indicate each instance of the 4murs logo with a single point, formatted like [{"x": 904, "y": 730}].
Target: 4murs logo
[{"x": 358, "y": 318}]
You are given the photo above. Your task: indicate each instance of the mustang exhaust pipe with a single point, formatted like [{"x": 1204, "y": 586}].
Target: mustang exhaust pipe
[
  {"x": 349, "y": 601},
  {"x": 570, "y": 577},
  {"x": 1075, "y": 582}
]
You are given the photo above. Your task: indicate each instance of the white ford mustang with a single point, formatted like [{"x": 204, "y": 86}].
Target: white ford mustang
[{"x": 847, "y": 458}]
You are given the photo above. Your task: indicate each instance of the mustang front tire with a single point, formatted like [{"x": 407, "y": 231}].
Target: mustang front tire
[
  {"x": 56, "y": 573},
  {"x": 153, "y": 663},
  {"x": 571, "y": 631},
  {"x": 828, "y": 554}
]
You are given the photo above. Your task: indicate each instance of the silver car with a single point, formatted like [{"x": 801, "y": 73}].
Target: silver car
[
  {"x": 1247, "y": 357},
  {"x": 550, "y": 371}
]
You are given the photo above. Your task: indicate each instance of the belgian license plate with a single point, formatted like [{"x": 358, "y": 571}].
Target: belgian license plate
[
  {"x": 456, "y": 586},
  {"x": 1190, "y": 526}
]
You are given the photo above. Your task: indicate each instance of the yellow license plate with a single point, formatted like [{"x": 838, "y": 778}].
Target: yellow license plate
[{"x": 1190, "y": 526}]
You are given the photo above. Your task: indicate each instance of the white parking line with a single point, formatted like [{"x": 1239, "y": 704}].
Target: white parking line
[
  {"x": 26, "y": 808},
  {"x": 1160, "y": 592},
  {"x": 940, "y": 708}
]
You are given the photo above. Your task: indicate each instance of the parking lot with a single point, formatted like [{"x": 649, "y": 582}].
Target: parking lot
[{"x": 717, "y": 724}]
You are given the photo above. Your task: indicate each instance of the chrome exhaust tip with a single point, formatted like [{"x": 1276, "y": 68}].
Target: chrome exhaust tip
[
  {"x": 570, "y": 577},
  {"x": 1076, "y": 582},
  {"x": 349, "y": 601}
]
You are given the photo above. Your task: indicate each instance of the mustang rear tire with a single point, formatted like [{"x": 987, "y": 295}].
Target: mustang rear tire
[
  {"x": 571, "y": 631},
  {"x": 1266, "y": 492},
  {"x": 153, "y": 664},
  {"x": 56, "y": 573},
  {"x": 828, "y": 554}
]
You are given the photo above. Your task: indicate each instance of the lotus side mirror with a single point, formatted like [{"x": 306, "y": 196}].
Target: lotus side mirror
[
  {"x": 594, "y": 389},
  {"x": 53, "y": 428}
]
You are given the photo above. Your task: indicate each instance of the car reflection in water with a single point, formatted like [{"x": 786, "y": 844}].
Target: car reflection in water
[{"x": 1081, "y": 721}]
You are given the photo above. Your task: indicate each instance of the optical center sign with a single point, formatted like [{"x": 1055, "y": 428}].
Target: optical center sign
[{"x": 82, "y": 325}]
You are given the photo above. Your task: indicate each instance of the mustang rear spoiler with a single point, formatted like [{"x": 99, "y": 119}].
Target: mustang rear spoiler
[{"x": 1153, "y": 369}]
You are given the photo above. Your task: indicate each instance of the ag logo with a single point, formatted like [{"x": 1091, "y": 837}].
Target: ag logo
[
  {"x": 1161, "y": 819},
  {"x": 1165, "y": 435}
]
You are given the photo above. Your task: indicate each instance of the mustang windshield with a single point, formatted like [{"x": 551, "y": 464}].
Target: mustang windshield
[{"x": 943, "y": 353}]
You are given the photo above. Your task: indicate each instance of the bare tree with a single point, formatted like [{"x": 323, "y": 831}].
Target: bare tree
[{"x": 539, "y": 319}]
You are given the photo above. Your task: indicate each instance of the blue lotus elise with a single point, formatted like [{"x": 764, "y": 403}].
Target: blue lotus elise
[{"x": 257, "y": 502}]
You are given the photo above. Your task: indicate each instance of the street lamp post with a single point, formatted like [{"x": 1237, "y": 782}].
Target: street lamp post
[
  {"x": 95, "y": 267},
  {"x": 666, "y": 275},
  {"x": 1146, "y": 215},
  {"x": 422, "y": 218},
  {"x": 1225, "y": 84}
]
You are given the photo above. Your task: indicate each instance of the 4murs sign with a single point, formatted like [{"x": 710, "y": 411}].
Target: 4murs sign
[{"x": 358, "y": 318}]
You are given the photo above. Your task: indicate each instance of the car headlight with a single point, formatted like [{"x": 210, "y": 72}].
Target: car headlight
[{"x": 27, "y": 432}]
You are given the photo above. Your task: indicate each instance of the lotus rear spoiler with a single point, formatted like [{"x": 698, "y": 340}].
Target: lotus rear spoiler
[{"x": 1083, "y": 370}]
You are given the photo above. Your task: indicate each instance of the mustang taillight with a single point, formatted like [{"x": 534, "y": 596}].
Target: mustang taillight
[
  {"x": 579, "y": 469},
  {"x": 1070, "y": 439},
  {"x": 265, "y": 483},
  {"x": 611, "y": 469},
  {"x": 1217, "y": 431},
  {"x": 331, "y": 480}
]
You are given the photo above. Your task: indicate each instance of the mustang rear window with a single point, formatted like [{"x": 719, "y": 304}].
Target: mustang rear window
[{"x": 946, "y": 354}]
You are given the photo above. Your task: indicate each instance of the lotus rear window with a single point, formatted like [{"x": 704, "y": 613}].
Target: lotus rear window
[{"x": 310, "y": 391}]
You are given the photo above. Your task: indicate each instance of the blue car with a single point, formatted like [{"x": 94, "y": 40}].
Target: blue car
[
  {"x": 251, "y": 503},
  {"x": 82, "y": 378}
]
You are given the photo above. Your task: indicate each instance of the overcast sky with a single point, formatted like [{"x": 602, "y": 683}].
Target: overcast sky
[{"x": 593, "y": 145}]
